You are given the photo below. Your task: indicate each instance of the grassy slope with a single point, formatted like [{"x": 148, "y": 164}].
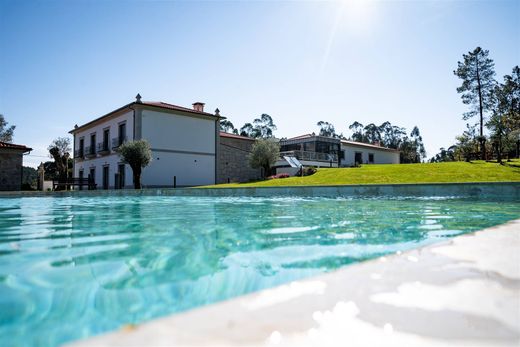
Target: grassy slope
[{"x": 401, "y": 173}]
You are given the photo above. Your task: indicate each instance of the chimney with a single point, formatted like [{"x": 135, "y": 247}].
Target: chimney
[
  {"x": 138, "y": 98},
  {"x": 198, "y": 106},
  {"x": 377, "y": 143}
]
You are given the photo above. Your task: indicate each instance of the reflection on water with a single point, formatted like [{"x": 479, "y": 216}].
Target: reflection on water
[{"x": 75, "y": 267}]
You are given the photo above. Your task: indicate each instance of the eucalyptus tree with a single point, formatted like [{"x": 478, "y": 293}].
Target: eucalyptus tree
[
  {"x": 477, "y": 73},
  {"x": 391, "y": 135},
  {"x": 371, "y": 133},
  {"x": 262, "y": 127},
  {"x": 228, "y": 127},
  {"x": 357, "y": 131},
  {"x": 6, "y": 133},
  {"x": 327, "y": 129}
]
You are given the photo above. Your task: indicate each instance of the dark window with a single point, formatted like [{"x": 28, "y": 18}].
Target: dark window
[
  {"x": 358, "y": 158},
  {"x": 92, "y": 144},
  {"x": 122, "y": 133},
  {"x": 106, "y": 136},
  {"x": 105, "y": 177},
  {"x": 371, "y": 158},
  {"x": 342, "y": 155},
  {"x": 81, "y": 147},
  {"x": 92, "y": 174}
]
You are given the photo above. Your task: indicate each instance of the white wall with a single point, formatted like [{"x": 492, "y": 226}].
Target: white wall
[
  {"x": 380, "y": 156},
  {"x": 182, "y": 133},
  {"x": 191, "y": 170},
  {"x": 112, "y": 159},
  {"x": 182, "y": 146}
]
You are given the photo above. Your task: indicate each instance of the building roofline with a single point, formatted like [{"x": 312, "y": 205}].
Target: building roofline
[
  {"x": 234, "y": 136},
  {"x": 158, "y": 104},
  {"x": 7, "y": 145}
]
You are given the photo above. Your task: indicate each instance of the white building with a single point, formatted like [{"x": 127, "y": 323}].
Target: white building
[
  {"x": 184, "y": 143},
  {"x": 364, "y": 153},
  {"x": 322, "y": 151}
]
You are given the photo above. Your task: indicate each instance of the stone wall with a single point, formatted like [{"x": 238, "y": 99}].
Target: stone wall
[
  {"x": 233, "y": 161},
  {"x": 10, "y": 170}
]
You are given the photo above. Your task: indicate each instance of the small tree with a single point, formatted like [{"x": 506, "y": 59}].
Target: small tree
[
  {"x": 327, "y": 129},
  {"x": 6, "y": 133},
  {"x": 59, "y": 150},
  {"x": 264, "y": 154},
  {"x": 138, "y": 155}
]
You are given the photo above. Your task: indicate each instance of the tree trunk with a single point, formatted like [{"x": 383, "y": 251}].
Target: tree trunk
[
  {"x": 137, "y": 177},
  {"x": 481, "y": 111}
]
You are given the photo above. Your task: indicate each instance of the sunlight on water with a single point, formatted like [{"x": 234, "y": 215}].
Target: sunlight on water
[{"x": 76, "y": 267}]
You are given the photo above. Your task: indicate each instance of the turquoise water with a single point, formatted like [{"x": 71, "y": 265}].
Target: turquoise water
[{"x": 76, "y": 267}]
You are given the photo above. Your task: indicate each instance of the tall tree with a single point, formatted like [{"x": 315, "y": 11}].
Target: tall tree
[
  {"x": 505, "y": 118},
  {"x": 391, "y": 135},
  {"x": 264, "y": 126},
  {"x": 6, "y": 133},
  {"x": 249, "y": 131},
  {"x": 138, "y": 155},
  {"x": 372, "y": 133},
  {"x": 228, "y": 127},
  {"x": 477, "y": 73},
  {"x": 357, "y": 131},
  {"x": 59, "y": 150},
  {"x": 327, "y": 129},
  {"x": 416, "y": 137}
]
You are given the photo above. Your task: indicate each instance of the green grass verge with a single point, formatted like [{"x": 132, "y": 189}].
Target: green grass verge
[{"x": 453, "y": 172}]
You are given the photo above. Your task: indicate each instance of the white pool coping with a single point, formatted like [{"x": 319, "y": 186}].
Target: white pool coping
[{"x": 462, "y": 292}]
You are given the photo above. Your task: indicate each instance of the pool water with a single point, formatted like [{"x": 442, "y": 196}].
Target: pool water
[{"x": 79, "y": 266}]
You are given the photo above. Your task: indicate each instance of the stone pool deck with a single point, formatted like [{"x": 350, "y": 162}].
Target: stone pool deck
[{"x": 465, "y": 291}]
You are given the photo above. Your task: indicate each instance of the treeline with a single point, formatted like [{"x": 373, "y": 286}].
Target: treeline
[
  {"x": 387, "y": 135},
  {"x": 495, "y": 104}
]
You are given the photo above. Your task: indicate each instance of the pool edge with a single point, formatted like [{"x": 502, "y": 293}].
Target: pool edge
[{"x": 470, "y": 276}]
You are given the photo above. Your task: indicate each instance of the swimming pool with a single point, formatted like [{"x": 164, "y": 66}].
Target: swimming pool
[{"x": 73, "y": 267}]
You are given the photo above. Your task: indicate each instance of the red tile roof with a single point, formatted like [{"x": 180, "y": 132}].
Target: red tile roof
[
  {"x": 175, "y": 107},
  {"x": 233, "y": 136},
  {"x": 147, "y": 103},
  {"x": 5, "y": 145}
]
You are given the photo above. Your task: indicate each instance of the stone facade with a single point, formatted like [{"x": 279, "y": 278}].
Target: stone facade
[
  {"x": 10, "y": 170},
  {"x": 233, "y": 159}
]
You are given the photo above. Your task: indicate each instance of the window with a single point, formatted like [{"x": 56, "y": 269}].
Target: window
[
  {"x": 92, "y": 144},
  {"x": 92, "y": 174},
  {"x": 358, "y": 159},
  {"x": 105, "y": 176},
  {"x": 106, "y": 137},
  {"x": 122, "y": 133},
  {"x": 371, "y": 158},
  {"x": 81, "y": 147},
  {"x": 342, "y": 155}
]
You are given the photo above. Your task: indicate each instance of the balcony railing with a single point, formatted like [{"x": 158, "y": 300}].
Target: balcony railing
[
  {"x": 103, "y": 148},
  {"x": 118, "y": 141},
  {"x": 90, "y": 151},
  {"x": 79, "y": 154},
  {"x": 310, "y": 156}
]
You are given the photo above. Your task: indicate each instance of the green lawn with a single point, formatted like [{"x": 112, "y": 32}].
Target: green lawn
[{"x": 477, "y": 171}]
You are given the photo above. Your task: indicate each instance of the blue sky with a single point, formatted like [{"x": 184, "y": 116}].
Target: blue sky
[{"x": 67, "y": 62}]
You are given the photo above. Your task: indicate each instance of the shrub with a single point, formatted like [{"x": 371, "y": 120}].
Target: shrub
[{"x": 280, "y": 175}]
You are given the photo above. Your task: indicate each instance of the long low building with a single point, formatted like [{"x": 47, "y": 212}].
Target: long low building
[{"x": 323, "y": 151}]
